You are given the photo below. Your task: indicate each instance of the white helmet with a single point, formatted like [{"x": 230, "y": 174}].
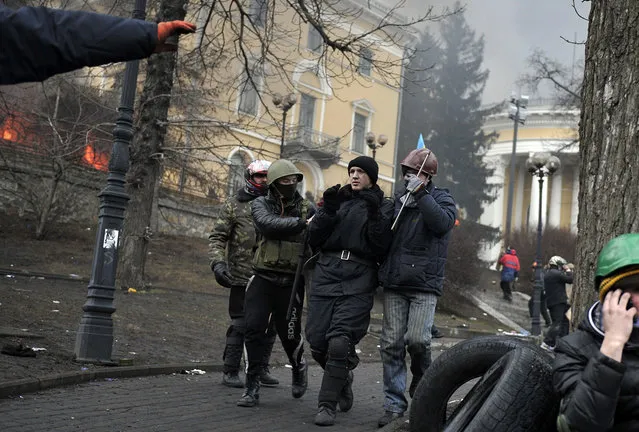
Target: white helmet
[
  {"x": 557, "y": 261},
  {"x": 258, "y": 166}
]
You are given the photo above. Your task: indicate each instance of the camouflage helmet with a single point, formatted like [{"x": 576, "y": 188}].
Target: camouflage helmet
[
  {"x": 620, "y": 252},
  {"x": 415, "y": 159},
  {"x": 282, "y": 168}
]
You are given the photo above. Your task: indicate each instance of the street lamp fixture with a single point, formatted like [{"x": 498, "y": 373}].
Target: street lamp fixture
[
  {"x": 516, "y": 112},
  {"x": 284, "y": 103},
  {"x": 370, "y": 141},
  {"x": 94, "y": 339},
  {"x": 540, "y": 165}
]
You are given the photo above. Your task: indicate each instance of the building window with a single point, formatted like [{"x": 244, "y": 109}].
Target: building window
[
  {"x": 359, "y": 133},
  {"x": 307, "y": 112},
  {"x": 236, "y": 172},
  {"x": 248, "y": 93},
  {"x": 258, "y": 11},
  {"x": 365, "y": 61},
  {"x": 315, "y": 41}
]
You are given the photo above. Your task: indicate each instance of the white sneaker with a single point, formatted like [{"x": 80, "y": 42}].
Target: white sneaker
[{"x": 547, "y": 347}]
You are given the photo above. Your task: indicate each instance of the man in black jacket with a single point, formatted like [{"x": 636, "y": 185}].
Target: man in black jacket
[
  {"x": 412, "y": 276},
  {"x": 555, "y": 280},
  {"x": 281, "y": 218},
  {"x": 596, "y": 370},
  {"x": 352, "y": 232},
  {"x": 37, "y": 43}
]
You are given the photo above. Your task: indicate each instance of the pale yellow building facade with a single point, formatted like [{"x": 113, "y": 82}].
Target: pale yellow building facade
[{"x": 336, "y": 104}]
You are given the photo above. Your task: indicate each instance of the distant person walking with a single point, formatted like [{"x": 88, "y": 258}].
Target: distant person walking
[
  {"x": 509, "y": 272},
  {"x": 555, "y": 280}
]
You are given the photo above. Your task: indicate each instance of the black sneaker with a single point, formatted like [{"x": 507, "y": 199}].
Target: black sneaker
[
  {"x": 388, "y": 417},
  {"x": 300, "y": 380},
  {"x": 268, "y": 380}
]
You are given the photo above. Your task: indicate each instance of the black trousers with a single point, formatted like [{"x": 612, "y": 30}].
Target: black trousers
[
  {"x": 560, "y": 325},
  {"x": 330, "y": 317},
  {"x": 543, "y": 309},
  {"x": 268, "y": 301},
  {"x": 505, "y": 287}
]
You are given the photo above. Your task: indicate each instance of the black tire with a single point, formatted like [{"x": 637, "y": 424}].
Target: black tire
[
  {"x": 463, "y": 362},
  {"x": 515, "y": 394}
]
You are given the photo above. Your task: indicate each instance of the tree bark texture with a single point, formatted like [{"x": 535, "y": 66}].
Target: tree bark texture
[
  {"x": 609, "y": 138},
  {"x": 146, "y": 151}
]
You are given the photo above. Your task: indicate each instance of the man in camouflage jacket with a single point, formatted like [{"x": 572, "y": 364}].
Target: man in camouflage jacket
[{"x": 231, "y": 245}]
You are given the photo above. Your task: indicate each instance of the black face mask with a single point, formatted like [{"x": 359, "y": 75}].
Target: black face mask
[{"x": 287, "y": 191}]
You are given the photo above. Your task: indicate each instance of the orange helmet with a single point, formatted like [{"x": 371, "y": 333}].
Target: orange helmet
[{"x": 415, "y": 158}]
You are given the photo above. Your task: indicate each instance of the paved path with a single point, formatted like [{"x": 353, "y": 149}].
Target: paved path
[{"x": 187, "y": 403}]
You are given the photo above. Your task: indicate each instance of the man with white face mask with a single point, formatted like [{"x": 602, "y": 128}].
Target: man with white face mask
[{"x": 412, "y": 277}]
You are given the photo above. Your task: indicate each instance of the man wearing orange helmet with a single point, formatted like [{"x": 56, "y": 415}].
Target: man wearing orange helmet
[
  {"x": 232, "y": 241},
  {"x": 412, "y": 277}
]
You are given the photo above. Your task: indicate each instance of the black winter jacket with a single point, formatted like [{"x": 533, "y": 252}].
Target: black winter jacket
[
  {"x": 598, "y": 393},
  {"x": 279, "y": 220},
  {"x": 364, "y": 233},
  {"x": 419, "y": 248},
  {"x": 555, "y": 282},
  {"x": 37, "y": 42}
]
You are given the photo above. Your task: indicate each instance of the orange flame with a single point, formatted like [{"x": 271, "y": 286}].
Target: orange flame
[{"x": 97, "y": 160}]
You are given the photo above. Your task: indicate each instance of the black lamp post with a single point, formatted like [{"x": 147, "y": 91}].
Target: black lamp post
[
  {"x": 285, "y": 104},
  {"x": 540, "y": 165},
  {"x": 94, "y": 340},
  {"x": 517, "y": 113},
  {"x": 370, "y": 142}
]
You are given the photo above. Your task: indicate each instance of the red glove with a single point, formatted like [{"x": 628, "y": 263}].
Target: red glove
[{"x": 168, "y": 29}]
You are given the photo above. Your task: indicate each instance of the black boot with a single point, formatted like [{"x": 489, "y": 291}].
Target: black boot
[
  {"x": 346, "y": 395},
  {"x": 266, "y": 379},
  {"x": 326, "y": 414},
  {"x": 300, "y": 379},
  {"x": 233, "y": 357},
  {"x": 251, "y": 396}
]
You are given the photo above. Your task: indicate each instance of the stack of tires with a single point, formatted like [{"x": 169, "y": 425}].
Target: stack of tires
[{"x": 514, "y": 391}]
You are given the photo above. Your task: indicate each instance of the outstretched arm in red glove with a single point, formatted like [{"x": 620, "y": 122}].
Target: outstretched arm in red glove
[
  {"x": 168, "y": 29},
  {"x": 37, "y": 43}
]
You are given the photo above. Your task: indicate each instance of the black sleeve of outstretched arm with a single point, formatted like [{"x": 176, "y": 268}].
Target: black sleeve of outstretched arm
[{"x": 37, "y": 42}]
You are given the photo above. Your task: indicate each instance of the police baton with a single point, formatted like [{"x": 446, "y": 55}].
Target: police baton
[
  {"x": 404, "y": 203},
  {"x": 298, "y": 275}
]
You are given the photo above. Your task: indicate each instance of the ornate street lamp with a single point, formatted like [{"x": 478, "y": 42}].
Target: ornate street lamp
[
  {"x": 540, "y": 165},
  {"x": 284, "y": 103},
  {"x": 370, "y": 141},
  {"x": 94, "y": 340}
]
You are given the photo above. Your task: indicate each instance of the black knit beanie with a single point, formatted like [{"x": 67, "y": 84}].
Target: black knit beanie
[{"x": 368, "y": 164}]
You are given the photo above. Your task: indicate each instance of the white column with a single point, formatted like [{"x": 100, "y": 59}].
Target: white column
[
  {"x": 519, "y": 197},
  {"x": 554, "y": 214},
  {"x": 574, "y": 211},
  {"x": 544, "y": 203},
  {"x": 533, "y": 211}
]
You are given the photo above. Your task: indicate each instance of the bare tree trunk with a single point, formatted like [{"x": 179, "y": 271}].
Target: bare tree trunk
[
  {"x": 48, "y": 204},
  {"x": 145, "y": 156},
  {"x": 609, "y": 134}
]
